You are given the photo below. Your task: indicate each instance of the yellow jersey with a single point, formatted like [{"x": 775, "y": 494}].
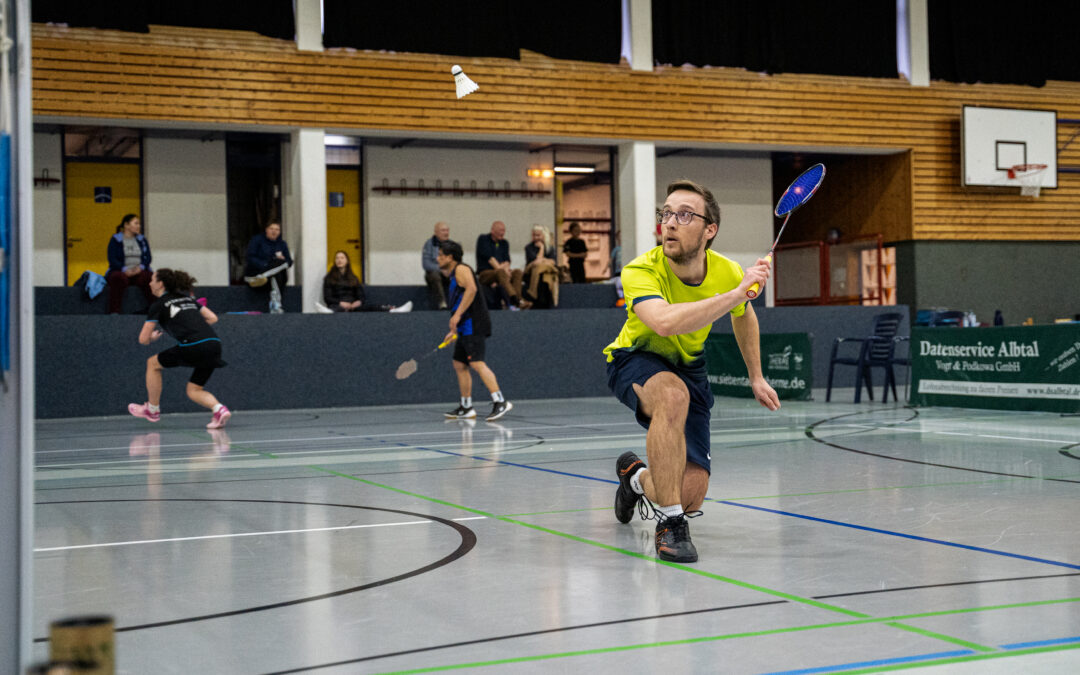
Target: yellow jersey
[{"x": 650, "y": 276}]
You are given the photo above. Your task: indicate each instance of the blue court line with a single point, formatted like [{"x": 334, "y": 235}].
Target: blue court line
[
  {"x": 922, "y": 657},
  {"x": 877, "y": 662},
  {"x": 905, "y": 536},
  {"x": 827, "y": 521},
  {"x": 1042, "y": 643}
]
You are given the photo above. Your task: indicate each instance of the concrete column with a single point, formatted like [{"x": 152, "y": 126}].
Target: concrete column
[
  {"x": 309, "y": 25},
  {"x": 637, "y": 197},
  {"x": 918, "y": 41},
  {"x": 641, "y": 57},
  {"x": 307, "y": 211},
  {"x": 17, "y": 397}
]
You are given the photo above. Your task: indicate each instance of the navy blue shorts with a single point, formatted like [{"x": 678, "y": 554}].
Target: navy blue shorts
[{"x": 629, "y": 368}]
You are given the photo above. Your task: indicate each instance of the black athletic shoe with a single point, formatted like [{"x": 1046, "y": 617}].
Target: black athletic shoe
[
  {"x": 461, "y": 413},
  {"x": 673, "y": 539},
  {"x": 498, "y": 409},
  {"x": 625, "y": 498}
]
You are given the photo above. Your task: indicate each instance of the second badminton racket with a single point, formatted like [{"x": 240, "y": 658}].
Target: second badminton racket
[{"x": 409, "y": 367}]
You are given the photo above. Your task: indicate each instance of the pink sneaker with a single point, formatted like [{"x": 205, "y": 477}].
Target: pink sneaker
[
  {"x": 220, "y": 418},
  {"x": 143, "y": 411}
]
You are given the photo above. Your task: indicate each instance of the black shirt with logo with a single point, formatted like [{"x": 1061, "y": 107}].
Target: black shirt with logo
[{"x": 179, "y": 316}]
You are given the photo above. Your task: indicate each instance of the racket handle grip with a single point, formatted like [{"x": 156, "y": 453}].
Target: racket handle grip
[
  {"x": 753, "y": 291},
  {"x": 443, "y": 344}
]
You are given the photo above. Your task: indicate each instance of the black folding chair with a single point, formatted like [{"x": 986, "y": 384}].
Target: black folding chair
[{"x": 875, "y": 351}]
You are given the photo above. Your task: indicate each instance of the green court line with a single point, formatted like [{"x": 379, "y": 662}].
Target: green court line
[
  {"x": 988, "y": 652},
  {"x": 964, "y": 659},
  {"x": 892, "y": 621},
  {"x": 938, "y": 636}
]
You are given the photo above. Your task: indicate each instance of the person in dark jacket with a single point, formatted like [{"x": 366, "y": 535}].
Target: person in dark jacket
[
  {"x": 343, "y": 292},
  {"x": 129, "y": 262},
  {"x": 267, "y": 264}
]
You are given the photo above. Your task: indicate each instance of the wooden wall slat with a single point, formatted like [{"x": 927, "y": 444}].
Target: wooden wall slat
[{"x": 240, "y": 78}]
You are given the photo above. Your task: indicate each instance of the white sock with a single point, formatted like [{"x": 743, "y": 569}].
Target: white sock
[
  {"x": 670, "y": 511},
  {"x": 153, "y": 408},
  {"x": 497, "y": 396},
  {"x": 635, "y": 481},
  {"x": 217, "y": 407},
  {"x": 466, "y": 401}
]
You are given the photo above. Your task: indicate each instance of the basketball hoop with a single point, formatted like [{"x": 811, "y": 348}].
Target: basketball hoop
[{"x": 1030, "y": 177}]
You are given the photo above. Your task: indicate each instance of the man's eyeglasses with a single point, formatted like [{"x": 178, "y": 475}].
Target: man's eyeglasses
[{"x": 681, "y": 217}]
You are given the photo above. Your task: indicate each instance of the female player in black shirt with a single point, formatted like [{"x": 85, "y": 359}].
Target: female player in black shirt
[{"x": 175, "y": 312}]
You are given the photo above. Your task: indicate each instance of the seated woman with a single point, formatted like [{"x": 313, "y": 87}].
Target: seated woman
[
  {"x": 129, "y": 263},
  {"x": 541, "y": 276},
  {"x": 343, "y": 292}
]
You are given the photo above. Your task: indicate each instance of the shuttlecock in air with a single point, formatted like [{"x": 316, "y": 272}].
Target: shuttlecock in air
[{"x": 465, "y": 86}]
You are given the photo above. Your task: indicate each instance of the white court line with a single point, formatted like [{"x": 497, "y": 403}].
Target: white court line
[
  {"x": 240, "y": 534},
  {"x": 447, "y": 430},
  {"x": 317, "y": 452},
  {"x": 946, "y": 433}
]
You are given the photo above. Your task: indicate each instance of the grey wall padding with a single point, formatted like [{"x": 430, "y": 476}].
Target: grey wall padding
[
  {"x": 92, "y": 365},
  {"x": 1037, "y": 279}
]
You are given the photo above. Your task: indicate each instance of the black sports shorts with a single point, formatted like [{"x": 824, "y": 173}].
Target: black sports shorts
[{"x": 204, "y": 357}]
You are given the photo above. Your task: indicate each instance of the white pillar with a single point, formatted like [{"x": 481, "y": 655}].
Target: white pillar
[
  {"x": 309, "y": 25},
  {"x": 641, "y": 57},
  {"x": 17, "y": 396},
  {"x": 637, "y": 197},
  {"x": 307, "y": 211},
  {"x": 918, "y": 42}
]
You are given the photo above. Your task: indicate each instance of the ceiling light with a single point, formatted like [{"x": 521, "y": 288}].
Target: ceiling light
[{"x": 575, "y": 168}]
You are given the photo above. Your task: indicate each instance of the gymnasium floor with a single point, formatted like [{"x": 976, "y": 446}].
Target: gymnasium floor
[{"x": 838, "y": 537}]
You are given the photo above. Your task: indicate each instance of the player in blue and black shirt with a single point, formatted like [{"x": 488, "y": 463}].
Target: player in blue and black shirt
[{"x": 470, "y": 323}]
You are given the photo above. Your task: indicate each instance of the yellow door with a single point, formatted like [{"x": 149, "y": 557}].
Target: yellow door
[
  {"x": 98, "y": 195},
  {"x": 343, "y": 217}
]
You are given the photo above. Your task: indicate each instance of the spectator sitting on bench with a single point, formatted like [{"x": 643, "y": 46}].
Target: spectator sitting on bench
[
  {"x": 129, "y": 263},
  {"x": 343, "y": 292},
  {"x": 268, "y": 259}
]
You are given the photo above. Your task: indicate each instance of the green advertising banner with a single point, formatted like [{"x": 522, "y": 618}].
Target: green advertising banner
[
  {"x": 1021, "y": 368},
  {"x": 785, "y": 363}
]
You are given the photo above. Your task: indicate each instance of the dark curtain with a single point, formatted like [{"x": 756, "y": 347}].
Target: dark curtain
[
  {"x": 837, "y": 37},
  {"x": 273, "y": 18},
  {"x": 583, "y": 31},
  {"x": 129, "y": 15},
  {"x": 1003, "y": 43}
]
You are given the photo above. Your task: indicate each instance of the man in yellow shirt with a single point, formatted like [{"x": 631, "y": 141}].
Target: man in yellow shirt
[{"x": 656, "y": 366}]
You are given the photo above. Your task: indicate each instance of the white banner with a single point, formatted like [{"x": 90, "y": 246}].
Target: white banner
[{"x": 1000, "y": 389}]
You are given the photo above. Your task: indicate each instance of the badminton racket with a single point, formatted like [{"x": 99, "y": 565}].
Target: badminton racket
[
  {"x": 409, "y": 367},
  {"x": 798, "y": 193}
]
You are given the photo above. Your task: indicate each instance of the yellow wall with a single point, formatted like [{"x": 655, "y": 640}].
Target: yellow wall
[
  {"x": 89, "y": 224},
  {"x": 343, "y": 223}
]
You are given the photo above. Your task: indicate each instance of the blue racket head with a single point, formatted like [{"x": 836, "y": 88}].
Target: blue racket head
[{"x": 800, "y": 190}]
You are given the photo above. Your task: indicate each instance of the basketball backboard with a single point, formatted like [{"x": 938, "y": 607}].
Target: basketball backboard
[{"x": 992, "y": 140}]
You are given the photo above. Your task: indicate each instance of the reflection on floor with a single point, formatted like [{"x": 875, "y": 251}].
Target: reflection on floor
[{"x": 835, "y": 537}]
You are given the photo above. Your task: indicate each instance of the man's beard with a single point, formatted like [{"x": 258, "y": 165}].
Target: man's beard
[{"x": 687, "y": 255}]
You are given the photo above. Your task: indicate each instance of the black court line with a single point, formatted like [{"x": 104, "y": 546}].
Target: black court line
[
  {"x": 468, "y": 541},
  {"x": 810, "y": 435},
  {"x": 512, "y": 636},
  {"x": 669, "y": 615}
]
